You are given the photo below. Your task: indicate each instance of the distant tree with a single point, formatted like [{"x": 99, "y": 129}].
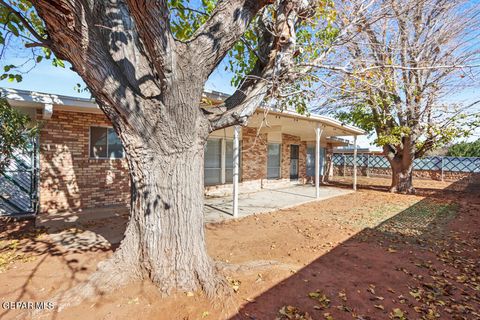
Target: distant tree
[
  {"x": 465, "y": 149},
  {"x": 404, "y": 58},
  {"x": 16, "y": 132}
]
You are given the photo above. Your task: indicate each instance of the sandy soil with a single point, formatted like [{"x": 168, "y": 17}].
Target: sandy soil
[{"x": 367, "y": 255}]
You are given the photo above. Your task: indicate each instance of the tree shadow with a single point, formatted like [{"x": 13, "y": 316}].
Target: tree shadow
[
  {"x": 413, "y": 265},
  {"x": 35, "y": 244}
]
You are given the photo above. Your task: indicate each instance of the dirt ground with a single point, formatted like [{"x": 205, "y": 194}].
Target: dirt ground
[{"x": 366, "y": 255}]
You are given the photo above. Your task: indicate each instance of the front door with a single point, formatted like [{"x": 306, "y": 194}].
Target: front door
[{"x": 294, "y": 150}]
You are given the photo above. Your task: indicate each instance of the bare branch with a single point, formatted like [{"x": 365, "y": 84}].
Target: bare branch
[{"x": 360, "y": 71}]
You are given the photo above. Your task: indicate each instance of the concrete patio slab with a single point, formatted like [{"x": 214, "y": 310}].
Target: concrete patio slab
[
  {"x": 98, "y": 229},
  {"x": 266, "y": 200}
]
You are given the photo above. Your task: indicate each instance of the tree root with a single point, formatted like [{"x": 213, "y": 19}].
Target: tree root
[
  {"x": 410, "y": 190},
  {"x": 111, "y": 274},
  {"x": 115, "y": 273}
]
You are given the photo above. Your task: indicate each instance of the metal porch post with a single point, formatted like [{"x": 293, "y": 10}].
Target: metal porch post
[
  {"x": 354, "y": 162},
  {"x": 318, "y": 134},
  {"x": 236, "y": 155}
]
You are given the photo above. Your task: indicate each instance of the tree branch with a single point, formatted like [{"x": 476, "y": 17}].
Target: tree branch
[
  {"x": 227, "y": 23},
  {"x": 41, "y": 40},
  {"x": 276, "y": 51},
  {"x": 152, "y": 21},
  {"x": 351, "y": 71}
]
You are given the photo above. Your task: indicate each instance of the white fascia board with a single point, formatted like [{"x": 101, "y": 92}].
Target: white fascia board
[
  {"x": 39, "y": 100},
  {"x": 322, "y": 119}
]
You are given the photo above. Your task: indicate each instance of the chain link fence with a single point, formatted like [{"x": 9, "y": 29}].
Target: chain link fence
[{"x": 438, "y": 164}]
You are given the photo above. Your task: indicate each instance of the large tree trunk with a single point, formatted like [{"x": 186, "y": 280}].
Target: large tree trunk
[
  {"x": 401, "y": 158},
  {"x": 402, "y": 177},
  {"x": 164, "y": 239}
]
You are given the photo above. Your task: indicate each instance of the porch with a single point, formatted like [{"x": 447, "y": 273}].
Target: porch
[{"x": 266, "y": 200}]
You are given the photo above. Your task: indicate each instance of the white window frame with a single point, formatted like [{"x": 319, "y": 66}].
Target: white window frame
[{"x": 90, "y": 156}]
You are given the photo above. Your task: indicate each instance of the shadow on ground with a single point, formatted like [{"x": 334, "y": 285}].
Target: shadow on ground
[
  {"x": 34, "y": 242},
  {"x": 423, "y": 263}
]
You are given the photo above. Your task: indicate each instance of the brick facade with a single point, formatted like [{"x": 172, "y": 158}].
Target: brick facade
[
  {"x": 254, "y": 154},
  {"x": 69, "y": 179}
]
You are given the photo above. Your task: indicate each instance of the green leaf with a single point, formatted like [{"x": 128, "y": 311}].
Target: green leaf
[
  {"x": 58, "y": 63},
  {"x": 13, "y": 29}
]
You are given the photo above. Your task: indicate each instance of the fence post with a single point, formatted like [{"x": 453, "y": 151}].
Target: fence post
[
  {"x": 368, "y": 165},
  {"x": 442, "y": 168},
  {"x": 344, "y": 164}
]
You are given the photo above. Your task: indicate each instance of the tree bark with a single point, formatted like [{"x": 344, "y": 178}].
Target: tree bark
[
  {"x": 165, "y": 238},
  {"x": 402, "y": 178}
]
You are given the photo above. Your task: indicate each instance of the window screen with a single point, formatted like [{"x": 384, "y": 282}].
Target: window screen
[
  {"x": 98, "y": 142},
  {"x": 114, "y": 145},
  {"x": 213, "y": 155},
  {"x": 229, "y": 160},
  {"x": 104, "y": 143},
  {"x": 273, "y": 161},
  {"x": 311, "y": 161}
]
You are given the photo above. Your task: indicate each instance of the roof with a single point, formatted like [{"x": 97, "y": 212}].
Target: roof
[
  {"x": 33, "y": 99},
  {"x": 349, "y": 149}
]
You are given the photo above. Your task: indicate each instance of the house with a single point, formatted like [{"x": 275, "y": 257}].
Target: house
[{"x": 81, "y": 162}]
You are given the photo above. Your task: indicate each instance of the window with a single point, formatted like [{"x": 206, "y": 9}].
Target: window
[
  {"x": 213, "y": 160},
  {"x": 311, "y": 161},
  {"x": 105, "y": 144},
  {"x": 229, "y": 160},
  {"x": 219, "y": 161},
  {"x": 273, "y": 161}
]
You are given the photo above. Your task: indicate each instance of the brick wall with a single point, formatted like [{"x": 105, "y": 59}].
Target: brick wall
[
  {"x": 254, "y": 154},
  {"x": 69, "y": 179}
]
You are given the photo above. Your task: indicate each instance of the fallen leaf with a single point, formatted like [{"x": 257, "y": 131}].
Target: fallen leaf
[{"x": 397, "y": 314}]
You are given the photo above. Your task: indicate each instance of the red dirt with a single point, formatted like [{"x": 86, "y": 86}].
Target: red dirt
[{"x": 372, "y": 254}]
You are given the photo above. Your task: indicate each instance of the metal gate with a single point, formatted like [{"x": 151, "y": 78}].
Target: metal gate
[{"x": 19, "y": 183}]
